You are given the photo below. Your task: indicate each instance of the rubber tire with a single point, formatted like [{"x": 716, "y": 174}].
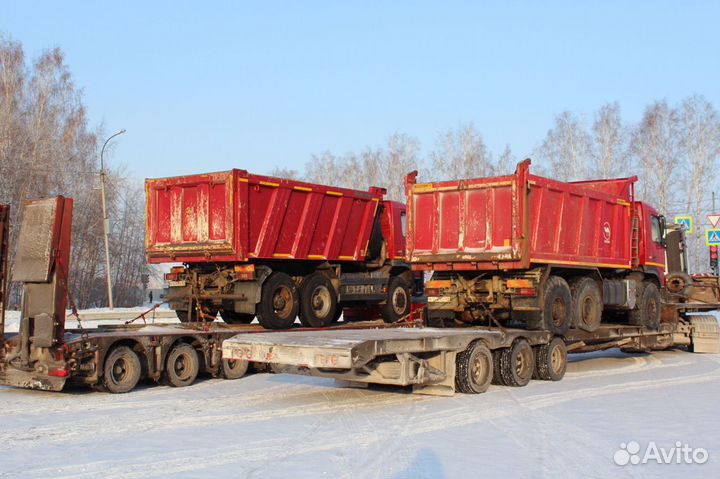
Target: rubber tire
[
  {"x": 266, "y": 314},
  {"x": 387, "y": 310},
  {"x": 192, "y": 363},
  {"x": 497, "y": 377},
  {"x": 234, "y": 368},
  {"x": 582, "y": 290},
  {"x": 544, "y": 369},
  {"x": 509, "y": 357},
  {"x": 649, "y": 299},
  {"x": 133, "y": 368},
  {"x": 308, "y": 317},
  {"x": 231, "y": 317},
  {"x": 555, "y": 288},
  {"x": 465, "y": 382}
]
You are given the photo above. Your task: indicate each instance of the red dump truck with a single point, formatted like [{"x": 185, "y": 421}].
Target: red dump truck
[
  {"x": 274, "y": 248},
  {"x": 550, "y": 254}
]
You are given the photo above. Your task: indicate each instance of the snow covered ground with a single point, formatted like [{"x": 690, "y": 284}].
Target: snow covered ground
[{"x": 287, "y": 426}]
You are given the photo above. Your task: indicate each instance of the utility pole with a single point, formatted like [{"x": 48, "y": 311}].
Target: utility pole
[{"x": 106, "y": 223}]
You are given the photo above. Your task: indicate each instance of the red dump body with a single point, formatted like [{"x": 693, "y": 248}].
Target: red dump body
[
  {"x": 512, "y": 222},
  {"x": 237, "y": 216}
]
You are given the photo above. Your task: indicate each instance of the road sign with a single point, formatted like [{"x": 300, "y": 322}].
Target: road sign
[
  {"x": 714, "y": 220},
  {"x": 712, "y": 237},
  {"x": 685, "y": 221}
]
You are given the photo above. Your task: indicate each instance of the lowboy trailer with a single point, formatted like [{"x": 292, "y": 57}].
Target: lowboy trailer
[{"x": 441, "y": 361}]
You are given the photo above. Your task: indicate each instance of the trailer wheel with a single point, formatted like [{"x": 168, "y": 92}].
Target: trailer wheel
[
  {"x": 397, "y": 305},
  {"x": 587, "y": 304},
  {"x": 231, "y": 317},
  {"x": 647, "y": 312},
  {"x": 278, "y": 306},
  {"x": 474, "y": 369},
  {"x": 182, "y": 365},
  {"x": 318, "y": 301},
  {"x": 551, "y": 360},
  {"x": 517, "y": 363},
  {"x": 556, "y": 313},
  {"x": 234, "y": 368},
  {"x": 497, "y": 377},
  {"x": 122, "y": 370}
]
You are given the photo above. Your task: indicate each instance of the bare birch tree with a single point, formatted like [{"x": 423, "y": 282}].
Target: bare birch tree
[
  {"x": 657, "y": 149},
  {"x": 609, "y": 148},
  {"x": 701, "y": 145},
  {"x": 461, "y": 153},
  {"x": 566, "y": 149}
]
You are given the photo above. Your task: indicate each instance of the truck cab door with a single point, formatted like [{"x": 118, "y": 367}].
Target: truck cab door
[{"x": 655, "y": 241}]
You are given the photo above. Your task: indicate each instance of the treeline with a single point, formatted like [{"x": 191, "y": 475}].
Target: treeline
[
  {"x": 47, "y": 148},
  {"x": 673, "y": 149}
]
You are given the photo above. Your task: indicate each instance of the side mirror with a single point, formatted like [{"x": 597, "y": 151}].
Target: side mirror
[{"x": 663, "y": 231}]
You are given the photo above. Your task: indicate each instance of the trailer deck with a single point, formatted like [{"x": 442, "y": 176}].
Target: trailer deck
[{"x": 425, "y": 358}]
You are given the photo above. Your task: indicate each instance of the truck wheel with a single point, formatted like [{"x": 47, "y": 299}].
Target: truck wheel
[
  {"x": 278, "y": 306},
  {"x": 318, "y": 301},
  {"x": 517, "y": 363},
  {"x": 231, "y": 317},
  {"x": 122, "y": 370},
  {"x": 234, "y": 368},
  {"x": 497, "y": 377},
  {"x": 587, "y": 304},
  {"x": 182, "y": 365},
  {"x": 397, "y": 305},
  {"x": 556, "y": 313},
  {"x": 647, "y": 312},
  {"x": 551, "y": 360},
  {"x": 474, "y": 369}
]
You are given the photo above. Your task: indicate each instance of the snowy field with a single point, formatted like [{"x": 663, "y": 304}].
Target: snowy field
[{"x": 287, "y": 426}]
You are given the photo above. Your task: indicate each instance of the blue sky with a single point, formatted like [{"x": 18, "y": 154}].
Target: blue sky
[{"x": 214, "y": 85}]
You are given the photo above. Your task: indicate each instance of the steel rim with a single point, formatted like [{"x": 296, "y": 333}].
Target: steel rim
[
  {"x": 556, "y": 359},
  {"x": 282, "y": 301},
  {"x": 119, "y": 371},
  {"x": 181, "y": 367},
  {"x": 588, "y": 309},
  {"x": 558, "y": 312},
  {"x": 320, "y": 301},
  {"x": 399, "y": 301},
  {"x": 479, "y": 369}
]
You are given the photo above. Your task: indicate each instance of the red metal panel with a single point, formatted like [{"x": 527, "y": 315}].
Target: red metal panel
[
  {"x": 235, "y": 216},
  {"x": 191, "y": 215},
  {"x": 513, "y": 221}
]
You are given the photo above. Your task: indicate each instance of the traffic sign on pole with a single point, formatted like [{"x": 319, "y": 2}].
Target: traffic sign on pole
[
  {"x": 685, "y": 221},
  {"x": 714, "y": 220},
  {"x": 712, "y": 237}
]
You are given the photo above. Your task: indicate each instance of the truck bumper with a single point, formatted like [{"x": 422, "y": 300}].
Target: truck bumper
[{"x": 31, "y": 380}]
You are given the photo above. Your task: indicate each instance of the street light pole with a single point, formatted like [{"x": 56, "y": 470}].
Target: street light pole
[{"x": 106, "y": 223}]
